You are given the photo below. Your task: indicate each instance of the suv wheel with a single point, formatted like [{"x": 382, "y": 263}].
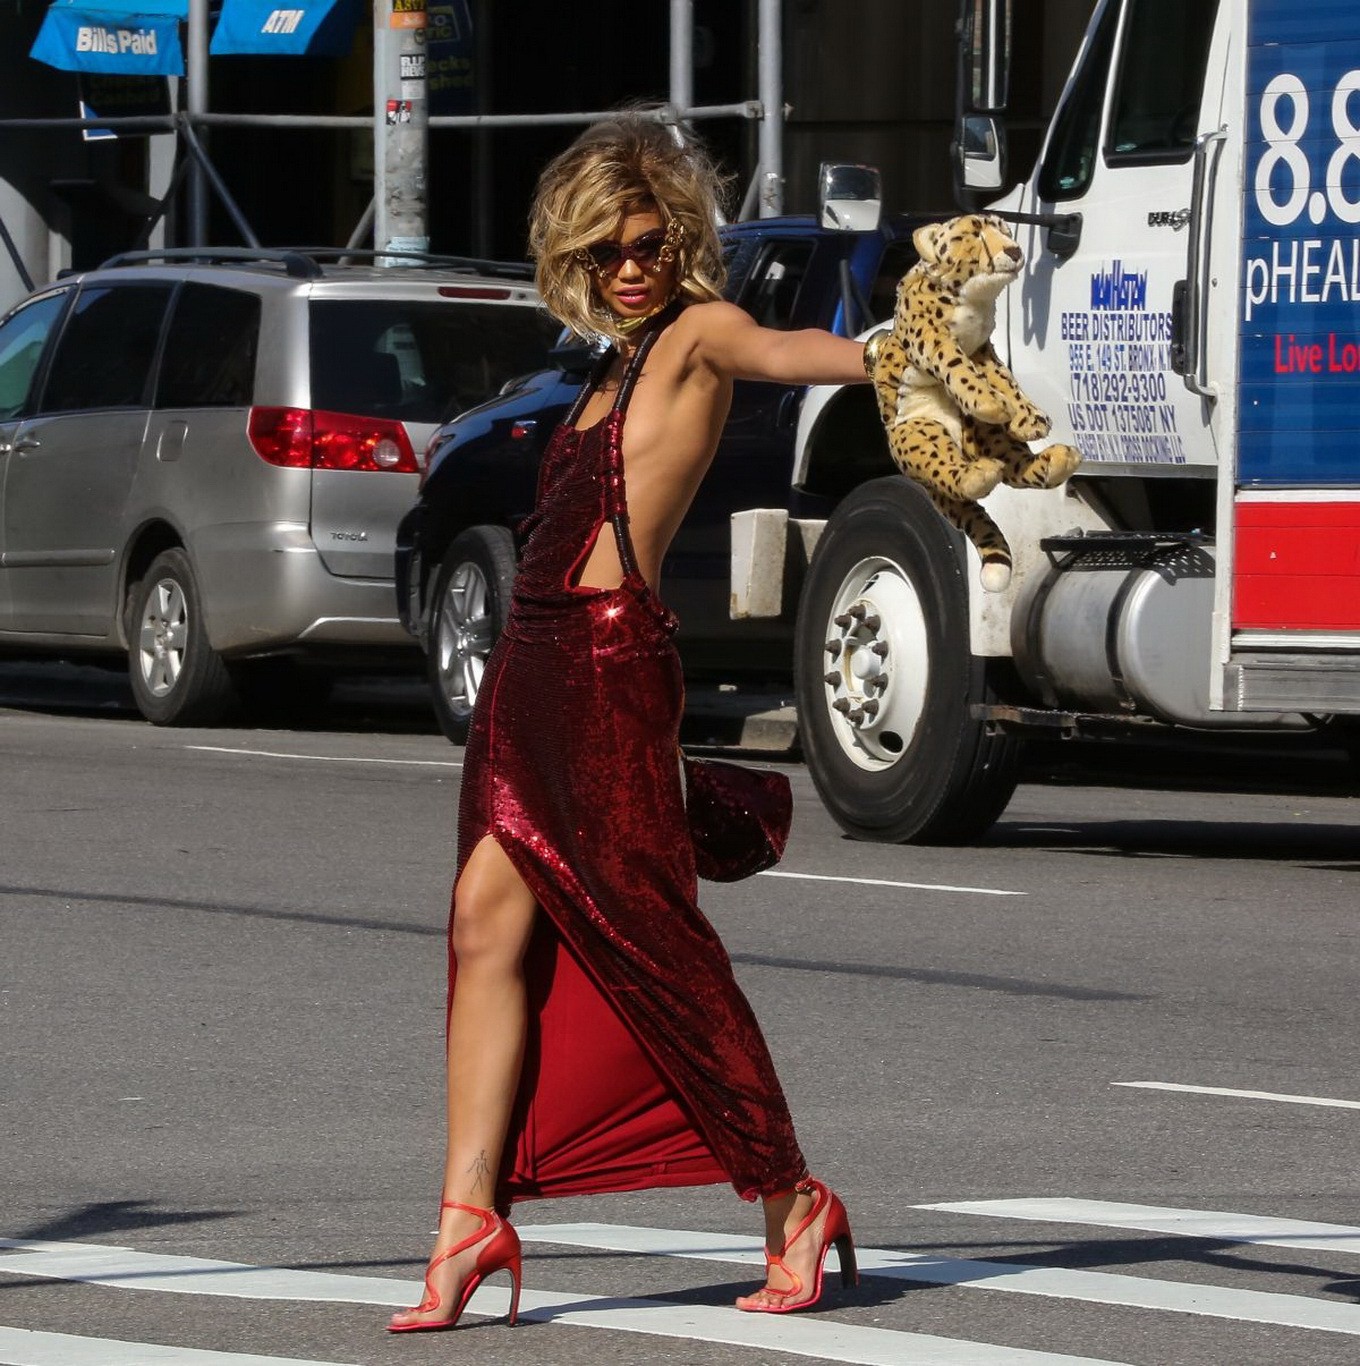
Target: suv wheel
[
  {"x": 468, "y": 611},
  {"x": 885, "y": 681},
  {"x": 178, "y": 679}
]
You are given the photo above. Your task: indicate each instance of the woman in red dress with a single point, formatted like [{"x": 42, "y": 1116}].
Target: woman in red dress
[{"x": 597, "y": 1039}]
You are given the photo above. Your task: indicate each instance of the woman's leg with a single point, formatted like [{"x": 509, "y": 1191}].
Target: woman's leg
[{"x": 493, "y": 916}]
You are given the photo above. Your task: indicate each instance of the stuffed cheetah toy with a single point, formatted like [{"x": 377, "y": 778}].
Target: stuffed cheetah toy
[{"x": 956, "y": 420}]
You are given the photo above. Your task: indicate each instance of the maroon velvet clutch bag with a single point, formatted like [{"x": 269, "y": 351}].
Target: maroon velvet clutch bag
[{"x": 739, "y": 818}]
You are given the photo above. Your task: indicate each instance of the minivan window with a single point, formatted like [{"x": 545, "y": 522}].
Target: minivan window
[
  {"x": 420, "y": 362},
  {"x": 210, "y": 347},
  {"x": 21, "y": 347},
  {"x": 103, "y": 357}
]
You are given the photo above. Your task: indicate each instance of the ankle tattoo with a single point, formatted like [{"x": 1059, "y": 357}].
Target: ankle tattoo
[{"x": 479, "y": 1170}]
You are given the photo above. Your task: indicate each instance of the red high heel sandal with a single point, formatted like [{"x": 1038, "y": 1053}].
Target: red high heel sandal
[
  {"x": 501, "y": 1253},
  {"x": 835, "y": 1231}
]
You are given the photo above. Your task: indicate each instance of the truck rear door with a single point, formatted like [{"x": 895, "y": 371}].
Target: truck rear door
[{"x": 1295, "y": 514}]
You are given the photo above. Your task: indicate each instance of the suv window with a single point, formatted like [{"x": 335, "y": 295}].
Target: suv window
[
  {"x": 21, "y": 347},
  {"x": 773, "y": 289},
  {"x": 103, "y": 358},
  {"x": 420, "y": 362},
  {"x": 898, "y": 258},
  {"x": 1160, "y": 81},
  {"x": 209, "y": 359}
]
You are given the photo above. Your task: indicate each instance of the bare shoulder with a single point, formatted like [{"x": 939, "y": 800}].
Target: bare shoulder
[
  {"x": 699, "y": 321},
  {"x": 704, "y": 333}
]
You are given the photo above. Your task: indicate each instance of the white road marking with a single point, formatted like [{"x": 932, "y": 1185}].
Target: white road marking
[
  {"x": 326, "y": 758},
  {"x": 128, "y": 1269},
  {"x": 880, "y": 882},
  {"x": 824, "y": 1338},
  {"x": 1099, "y": 1287},
  {"x": 19, "y": 1347},
  {"x": 1246, "y": 1095},
  {"x": 1217, "y": 1225}
]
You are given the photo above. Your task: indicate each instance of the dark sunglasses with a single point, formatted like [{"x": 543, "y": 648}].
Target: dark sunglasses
[{"x": 654, "y": 247}]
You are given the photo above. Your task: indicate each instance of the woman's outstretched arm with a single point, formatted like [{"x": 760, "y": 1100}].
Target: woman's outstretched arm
[{"x": 729, "y": 342}]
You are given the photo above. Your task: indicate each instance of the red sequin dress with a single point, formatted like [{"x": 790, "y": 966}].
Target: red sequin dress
[{"x": 645, "y": 1065}]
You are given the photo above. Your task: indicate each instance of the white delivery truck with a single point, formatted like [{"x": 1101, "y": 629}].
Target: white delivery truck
[{"x": 1189, "y": 316}]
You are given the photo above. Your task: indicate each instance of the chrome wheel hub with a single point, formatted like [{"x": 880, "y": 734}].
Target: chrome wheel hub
[
  {"x": 463, "y": 636},
  {"x": 163, "y": 637},
  {"x": 876, "y": 659}
]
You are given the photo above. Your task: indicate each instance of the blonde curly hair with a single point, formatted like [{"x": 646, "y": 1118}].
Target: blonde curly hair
[{"x": 618, "y": 166}]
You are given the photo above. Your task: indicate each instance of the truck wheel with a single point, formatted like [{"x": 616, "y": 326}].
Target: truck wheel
[
  {"x": 178, "y": 679},
  {"x": 467, "y": 612},
  {"x": 884, "y": 679}
]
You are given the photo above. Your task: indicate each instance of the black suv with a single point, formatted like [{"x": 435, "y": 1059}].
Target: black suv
[{"x": 456, "y": 549}]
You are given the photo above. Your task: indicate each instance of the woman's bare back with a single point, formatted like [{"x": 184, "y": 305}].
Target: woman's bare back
[{"x": 674, "y": 420}]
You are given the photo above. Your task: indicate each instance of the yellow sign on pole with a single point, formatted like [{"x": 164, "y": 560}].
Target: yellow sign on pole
[{"x": 408, "y": 14}]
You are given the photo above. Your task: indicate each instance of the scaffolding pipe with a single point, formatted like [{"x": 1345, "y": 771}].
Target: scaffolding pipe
[
  {"x": 196, "y": 105},
  {"x": 483, "y": 151},
  {"x": 771, "y": 91},
  {"x": 682, "y": 56},
  {"x": 209, "y": 173},
  {"x": 20, "y": 269},
  {"x": 161, "y": 123}
]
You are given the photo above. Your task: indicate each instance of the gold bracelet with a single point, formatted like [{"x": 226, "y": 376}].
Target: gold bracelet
[{"x": 872, "y": 348}]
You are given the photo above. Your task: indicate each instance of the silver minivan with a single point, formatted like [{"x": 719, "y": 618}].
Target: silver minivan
[{"x": 204, "y": 457}]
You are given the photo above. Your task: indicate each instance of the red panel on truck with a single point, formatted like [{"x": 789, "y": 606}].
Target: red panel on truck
[{"x": 1297, "y": 567}]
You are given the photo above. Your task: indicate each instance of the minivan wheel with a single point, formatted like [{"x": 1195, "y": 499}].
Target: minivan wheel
[
  {"x": 467, "y": 613},
  {"x": 178, "y": 679}
]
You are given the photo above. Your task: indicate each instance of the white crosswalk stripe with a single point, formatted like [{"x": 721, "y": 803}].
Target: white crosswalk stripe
[
  {"x": 20, "y": 1347},
  {"x": 822, "y": 1337},
  {"x": 1220, "y": 1225},
  {"x": 1100, "y": 1287},
  {"x": 97, "y": 1264}
]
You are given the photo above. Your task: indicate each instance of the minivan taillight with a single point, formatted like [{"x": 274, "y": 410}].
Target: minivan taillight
[{"x": 304, "y": 438}]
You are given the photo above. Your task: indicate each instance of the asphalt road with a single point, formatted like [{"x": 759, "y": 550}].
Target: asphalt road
[{"x": 221, "y": 969}]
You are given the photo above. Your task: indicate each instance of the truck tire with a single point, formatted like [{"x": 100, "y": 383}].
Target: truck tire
[
  {"x": 884, "y": 679},
  {"x": 178, "y": 679},
  {"x": 468, "y": 609}
]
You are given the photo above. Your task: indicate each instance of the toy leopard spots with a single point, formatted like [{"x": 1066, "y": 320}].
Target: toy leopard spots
[{"x": 956, "y": 419}]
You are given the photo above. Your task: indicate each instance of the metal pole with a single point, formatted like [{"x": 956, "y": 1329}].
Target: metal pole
[
  {"x": 483, "y": 151},
  {"x": 401, "y": 121},
  {"x": 772, "y": 103},
  {"x": 210, "y": 174},
  {"x": 682, "y": 56},
  {"x": 196, "y": 102}
]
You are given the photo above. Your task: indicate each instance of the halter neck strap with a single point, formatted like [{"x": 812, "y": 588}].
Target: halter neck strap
[{"x": 655, "y": 326}]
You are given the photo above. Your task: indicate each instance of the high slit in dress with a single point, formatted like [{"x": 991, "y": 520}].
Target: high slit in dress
[{"x": 644, "y": 1064}]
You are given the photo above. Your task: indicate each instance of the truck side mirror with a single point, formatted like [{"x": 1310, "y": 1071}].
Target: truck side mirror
[
  {"x": 849, "y": 197},
  {"x": 981, "y": 152},
  {"x": 982, "y": 91}
]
